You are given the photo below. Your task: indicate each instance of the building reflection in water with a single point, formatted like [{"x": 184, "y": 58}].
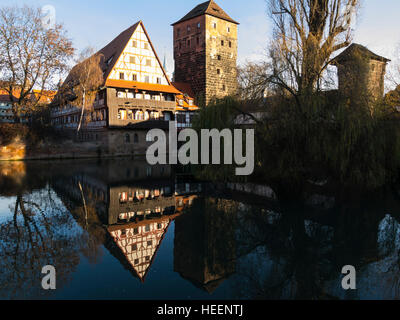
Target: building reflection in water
[
  {"x": 136, "y": 212},
  {"x": 59, "y": 212},
  {"x": 204, "y": 245}
]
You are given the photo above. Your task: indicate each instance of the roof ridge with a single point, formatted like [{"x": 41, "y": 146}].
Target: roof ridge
[{"x": 205, "y": 8}]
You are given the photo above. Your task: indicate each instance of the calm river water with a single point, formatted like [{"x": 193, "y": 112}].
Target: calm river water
[{"x": 119, "y": 229}]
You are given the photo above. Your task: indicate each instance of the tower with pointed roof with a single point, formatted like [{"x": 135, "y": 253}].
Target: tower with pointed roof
[
  {"x": 205, "y": 52},
  {"x": 360, "y": 71}
]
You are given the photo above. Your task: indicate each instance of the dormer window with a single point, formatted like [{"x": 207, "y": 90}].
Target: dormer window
[{"x": 109, "y": 60}]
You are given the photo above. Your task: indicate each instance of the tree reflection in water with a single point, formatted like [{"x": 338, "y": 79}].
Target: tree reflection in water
[
  {"x": 37, "y": 232},
  {"x": 231, "y": 248}
]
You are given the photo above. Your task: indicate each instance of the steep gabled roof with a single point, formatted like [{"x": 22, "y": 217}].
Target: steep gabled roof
[
  {"x": 111, "y": 53},
  {"x": 354, "y": 50},
  {"x": 210, "y": 8}
]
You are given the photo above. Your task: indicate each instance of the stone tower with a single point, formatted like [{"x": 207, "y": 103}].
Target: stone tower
[
  {"x": 205, "y": 52},
  {"x": 361, "y": 72}
]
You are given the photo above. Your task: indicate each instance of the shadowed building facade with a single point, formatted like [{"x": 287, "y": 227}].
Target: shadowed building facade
[{"x": 205, "y": 52}]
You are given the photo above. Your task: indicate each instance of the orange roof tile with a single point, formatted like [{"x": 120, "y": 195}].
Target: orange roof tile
[{"x": 141, "y": 86}]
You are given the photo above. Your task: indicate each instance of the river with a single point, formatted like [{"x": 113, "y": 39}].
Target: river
[{"x": 120, "y": 229}]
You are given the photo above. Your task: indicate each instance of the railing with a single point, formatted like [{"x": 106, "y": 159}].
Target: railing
[{"x": 141, "y": 103}]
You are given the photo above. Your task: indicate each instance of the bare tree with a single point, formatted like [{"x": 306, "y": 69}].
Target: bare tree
[
  {"x": 31, "y": 56},
  {"x": 306, "y": 35},
  {"x": 253, "y": 80},
  {"x": 85, "y": 80}
]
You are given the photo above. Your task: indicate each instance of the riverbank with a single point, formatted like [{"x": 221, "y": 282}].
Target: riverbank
[{"x": 66, "y": 149}]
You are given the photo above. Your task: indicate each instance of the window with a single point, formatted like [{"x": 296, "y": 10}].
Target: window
[
  {"x": 215, "y": 25},
  {"x": 127, "y": 138},
  {"x": 198, "y": 40},
  {"x": 139, "y": 115},
  {"x": 198, "y": 25},
  {"x": 230, "y": 44},
  {"x": 188, "y": 43},
  {"x": 159, "y": 226},
  {"x": 121, "y": 76},
  {"x": 121, "y": 114},
  {"x": 146, "y": 46},
  {"x": 136, "y": 138},
  {"x": 134, "y": 77},
  {"x": 147, "y": 79},
  {"x": 222, "y": 43},
  {"x": 134, "y": 247},
  {"x": 219, "y": 57},
  {"x": 136, "y": 261},
  {"x": 147, "y": 228},
  {"x": 134, "y": 44},
  {"x": 223, "y": 87},
  {"x": 188, "y": 29},
  {"x": 158, "y": 80},
  {"x": 135, "y": 230},
  {"x": 178, "y": 32},
  {"x": 229, "y": 30},
  {"x": 149, "y": 137},
  {"x": 109, "y": 60},
  {"x": 218, "y": 71},
  {"x": 148, "y": 62},
  {"x": 149, "y": 243},
  {"x": 147, "y": 258},
  {"x": 132, "y": 59},
  {"x": 181, "y": 118}
]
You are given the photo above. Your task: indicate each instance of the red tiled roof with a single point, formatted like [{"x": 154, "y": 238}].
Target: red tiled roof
[{"x": 184, "y": 88}]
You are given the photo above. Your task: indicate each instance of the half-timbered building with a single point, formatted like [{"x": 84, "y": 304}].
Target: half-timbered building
[{"x": 136, "y": 96}]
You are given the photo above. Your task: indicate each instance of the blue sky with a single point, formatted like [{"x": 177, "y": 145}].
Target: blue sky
[{"x": 96, "y": 22}]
